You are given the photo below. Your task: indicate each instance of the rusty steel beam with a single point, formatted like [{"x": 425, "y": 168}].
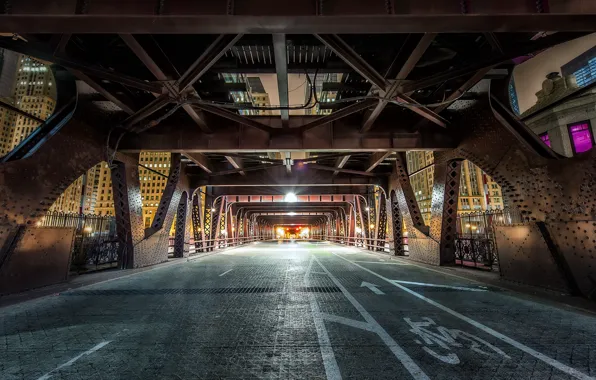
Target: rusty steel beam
[
  {"x": 348, "y": 55},
  {"x": 277, "y": 177},
  {"x": 154, "y": 68},
  {"x": 300, "y": 16},
  {"x": 376, "y": 158},
  {"x": 346, "y": 111},
  {"x": 347, "y": 171},
  {"x": 234, "y": 117},
  {"x": 532, "y": 46},
  {"x": 237, "y": 163},
  {"x": 426, "y": 113},
  {"x": 243, "y": 170},
  {"x": 340, "y": 163},
  {"x": 122, "y": 104},
  {"x": 281, "y": 68},
  {"x": 157, "y": 104},
  {"x": 341, "y": 136},
  {"x": 463, "y": 88},
  {"x": 403, "y": 73},
  {"x": 201, "y": 160},
  {"x": 211, "y": 55}
]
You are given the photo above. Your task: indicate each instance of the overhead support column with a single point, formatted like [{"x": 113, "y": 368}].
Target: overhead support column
[
  {"x": 346, "y": 53},
  {"x": 281, "y": 68},
  {"x": 128, "y": 210},
  {"x": 444, "y": 210},
  {"x": 395, "y": 223},
  {"x": 339, "y": 164},
  {"x": 182, "y": 234},
  {"x": 237, "y": 163},
  {"x": 165, "y": 209},
  {"x": 198, "y": 225},
  {"x": 381, "y": 221},
  {"x": 403, "y": 73},
  {"x": 376, "y": 158},
  {"x": 167, "y": 81},
  {"x": 200, "y": 160}
]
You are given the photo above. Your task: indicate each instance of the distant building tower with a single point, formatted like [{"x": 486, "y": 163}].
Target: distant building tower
[
  {"x": 477, "y": 190},
  {"x": 259, "y": 97},
  {"x": 8, "y": 72}
]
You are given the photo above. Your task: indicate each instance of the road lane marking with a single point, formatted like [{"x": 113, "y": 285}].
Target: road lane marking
[
  {"x": 548, "y": 360},
  {"x": 228, "y": 271},
  {"x": 441, "y": 286},
  {"x": 73, "y": 360},
  {"x": 379, "y": 262},
  {"x": 329, "y": 361},
  {"x": 348, "y": 322},
  {"x": 372, "y": 287},
  {"x": 400, "y": 354}
]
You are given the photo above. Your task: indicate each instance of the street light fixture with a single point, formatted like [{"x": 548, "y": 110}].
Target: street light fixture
[{"x": 291, "y": 197}]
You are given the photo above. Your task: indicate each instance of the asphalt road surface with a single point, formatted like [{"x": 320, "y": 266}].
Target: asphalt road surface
[{"x": 294, "y": 311}]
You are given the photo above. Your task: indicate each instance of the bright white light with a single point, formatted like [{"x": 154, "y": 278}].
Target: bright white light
[
  {"x": 291, "y": 213},
  {"x": 367, "y": 209},
  {"x": 291, "y": 197},
  {"x": 358, "y": 230}
]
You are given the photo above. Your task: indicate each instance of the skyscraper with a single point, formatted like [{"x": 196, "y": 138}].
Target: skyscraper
[
  {"x": 477, "y": 190},
  {"x": 260, "y": 98},
  {"x": 152, "y": 184}
]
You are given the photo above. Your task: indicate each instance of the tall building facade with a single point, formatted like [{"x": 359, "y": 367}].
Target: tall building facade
[
  {"x": 258, "y": 95},
  {"x": 152, "y": 184},
  {"x": 32, "y": 89},
  {"x": 477, "y": 192}
]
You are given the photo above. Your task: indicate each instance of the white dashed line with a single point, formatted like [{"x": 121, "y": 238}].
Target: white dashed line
[
  {"x": 73, "y": 360},
  {"x": 228, "y": 271}
]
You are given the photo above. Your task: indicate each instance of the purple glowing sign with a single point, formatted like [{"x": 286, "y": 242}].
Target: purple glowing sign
[
  {"x": 545, "y": 139},
  {"x": 581, "y": 137}
]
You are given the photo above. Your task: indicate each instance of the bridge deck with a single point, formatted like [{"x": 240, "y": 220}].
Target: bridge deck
[{"x": 294, "y": 311}]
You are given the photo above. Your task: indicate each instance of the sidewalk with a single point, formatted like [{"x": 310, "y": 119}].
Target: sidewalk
[{"x": 78, "y": 281}]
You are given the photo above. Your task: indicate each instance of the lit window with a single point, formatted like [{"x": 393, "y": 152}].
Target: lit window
[
  {"x": 545, "y": 139},
  {"x": 581, "y": 137}
]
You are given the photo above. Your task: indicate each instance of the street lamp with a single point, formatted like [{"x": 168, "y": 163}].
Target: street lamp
[{"x": 291, "y": 197}]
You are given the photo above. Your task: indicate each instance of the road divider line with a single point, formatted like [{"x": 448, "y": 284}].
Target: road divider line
[
  {"x": 440, "y": 286},
  {"x": 548, "y": 360},
  {"x": 73, "y": 360},
  {"x": 416, "y": 372},
  {"x": 380, "y": 262},
  {"x": 329, "y": 361},
  {"x": 228, "y": 271}
]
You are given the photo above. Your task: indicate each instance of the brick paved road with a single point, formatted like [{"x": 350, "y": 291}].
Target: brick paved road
[{"x": 294, "y": 311}]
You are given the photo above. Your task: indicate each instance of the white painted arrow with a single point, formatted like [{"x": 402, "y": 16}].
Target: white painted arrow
[{"x": 374, "y": 288}]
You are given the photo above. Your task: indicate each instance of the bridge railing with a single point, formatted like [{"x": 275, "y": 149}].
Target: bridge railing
[
  {"x": 95, "y": 245},
  {"x": 475, "y": 244},
  {"x": 210, "y": 245},
  {"x": 371, "y": 244}
]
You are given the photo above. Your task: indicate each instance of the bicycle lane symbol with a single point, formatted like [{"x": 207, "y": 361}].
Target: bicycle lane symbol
[{"x": 449, "y": 339}]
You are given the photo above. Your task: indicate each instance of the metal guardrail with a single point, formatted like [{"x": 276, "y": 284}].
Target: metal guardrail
[
  {"x": 211, "y": 245},
  {"x": 372, "y": 244},
  {"x": 95, "y": 244},
  {"x": 475, "y": 244}
]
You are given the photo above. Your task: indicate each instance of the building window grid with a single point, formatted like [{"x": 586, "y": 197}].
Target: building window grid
[{"x": 581, "y": 136}]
